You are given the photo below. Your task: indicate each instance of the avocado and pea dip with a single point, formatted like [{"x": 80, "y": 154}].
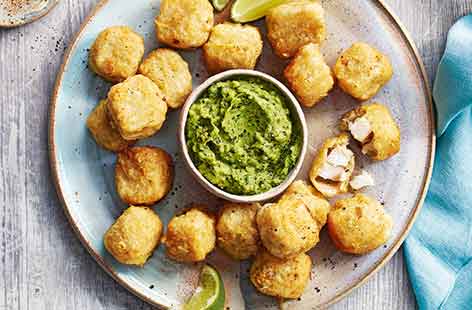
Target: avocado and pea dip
[{"x": 242, "y": 137}]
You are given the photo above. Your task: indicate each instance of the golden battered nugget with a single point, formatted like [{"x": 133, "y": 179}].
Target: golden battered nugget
[
  {"x": 236, "y": 230},
  {"x": 143, "y": 175},
  {"x": 279, "y": 277},
  {"x": 190, "y": 236},
  {"x": 184, "y": 23},
  {"x": 136, "y": 107},
  {"x": 116, "y": 53},
  {"x": 232, "y": 46},
  {"x": 317, "y": 205},
  {"x": 171, "y": 74},
  {"x": 288, "y": 228},
  {"x": 295, "y": 24},
  {"x": 309, "y": 76},
  {"x": 332, "y": 167},
  {"x": 103, "y": 132},
  {"x": 134, "y": 236},
  {"x": 359, "y": 224},
  {"x": 373, "y": 126},
  {"x": 362, "y": 70}
]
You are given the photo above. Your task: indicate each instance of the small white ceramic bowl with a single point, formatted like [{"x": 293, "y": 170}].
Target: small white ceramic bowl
[{"x": 296, "y": 110}]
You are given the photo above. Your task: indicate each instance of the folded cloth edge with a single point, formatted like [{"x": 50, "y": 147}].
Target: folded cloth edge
[{"x": 453, "y": 75}]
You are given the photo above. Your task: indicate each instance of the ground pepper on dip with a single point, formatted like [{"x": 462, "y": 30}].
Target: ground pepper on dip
[{"x": 242, "y": 136}]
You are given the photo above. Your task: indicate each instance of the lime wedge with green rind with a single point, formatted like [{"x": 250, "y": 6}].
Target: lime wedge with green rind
[
  {"x": 210, "y": 293},
  {"x": 244, "y": 11},
  {"x": 219, "y": 5}
]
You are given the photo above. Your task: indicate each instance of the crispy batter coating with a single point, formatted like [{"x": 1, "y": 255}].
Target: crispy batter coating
[
  {"x": 190, "y": 236},
  {"x": 295, "y": 24},
  {"x": 317, "y": 205},
  {"x": 236, "y": 230},
  {"x": 134, "y": 236},
  {"x": 232, "y": 46},
  {"x": 103, "y": 132},
  {"x": 143, "y": 174},
  {"x": 290, "y": 226},
  {"x": 279, "y": 277},
  {"x": 136, "y": 107},
  {"x": 116, "y": 53},
  {"x": 359, "y": 224},
  {"x": 362, "y": 70},
  {"x": 171, "y": 74},
  {"x": 184, "y": 23},
  {"x": 309, "y": 76},
  {"x": 330, "y": 188},
  {"x": 384, "y": 140}
]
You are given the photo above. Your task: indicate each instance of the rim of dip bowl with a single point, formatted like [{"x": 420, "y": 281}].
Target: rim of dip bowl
[{"x": 297, "y": 113}]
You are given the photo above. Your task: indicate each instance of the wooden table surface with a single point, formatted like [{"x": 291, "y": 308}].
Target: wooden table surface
[{"x": 43, "y": 265}]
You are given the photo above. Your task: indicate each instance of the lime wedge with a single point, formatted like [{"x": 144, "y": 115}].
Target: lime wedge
[
  {"x": 244, "y": 11},
  {"x": 219, "y": 5},
  {"x": 210, "y": 293}
]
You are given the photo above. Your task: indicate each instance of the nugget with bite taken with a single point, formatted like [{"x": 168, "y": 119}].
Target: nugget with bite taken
[
  {"x": 374, "y": 128},
  {"x": 332, "y": 167}
]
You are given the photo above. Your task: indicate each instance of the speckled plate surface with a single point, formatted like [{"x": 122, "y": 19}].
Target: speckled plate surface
[
  {"x": 84, "y": 173},
  {"x": 15, "y": 13}
]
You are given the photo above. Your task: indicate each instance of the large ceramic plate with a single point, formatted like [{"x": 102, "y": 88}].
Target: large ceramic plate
[{"x": 84, "y": 173}]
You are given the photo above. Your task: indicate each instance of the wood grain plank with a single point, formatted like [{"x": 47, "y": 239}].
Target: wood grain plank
[{"x": 43, "y": 266}]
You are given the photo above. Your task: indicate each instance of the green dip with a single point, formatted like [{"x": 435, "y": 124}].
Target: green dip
[{"x": 242, "y": 136}]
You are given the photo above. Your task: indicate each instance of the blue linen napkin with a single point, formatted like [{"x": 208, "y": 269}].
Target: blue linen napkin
[{"x": 438, "y": 250}]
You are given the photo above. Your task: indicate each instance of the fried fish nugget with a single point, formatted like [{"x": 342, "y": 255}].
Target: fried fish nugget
[
  {"x": 314, "y": 200},
  {"x": 359, "y": 224},
  {"x": 232, "y": 46},
  {"x": 373, "y": 126},
  {"x": 134, "y": 236},
  {"x": 184, "y": 23},
  {"x": 236, "y": 230},
  {"x": 116, "y": 53},
  {"x": 362, "y": 70},
  {"x": 136, "y": 107},
  {"x": 295, "y": 24},
  {"x": 278, "y": 277},
  {"x": 171, "y": 74},
  {"x": 143, "y": 175},
  {"x": 190, "y": 236},
  {"x": 332, "y": 166},
  {"x": 287, "y": 228},
  {"x": 103, "y": 132},
  {"x": 309, "y": 76}
]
